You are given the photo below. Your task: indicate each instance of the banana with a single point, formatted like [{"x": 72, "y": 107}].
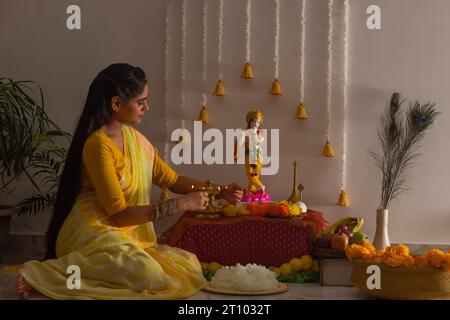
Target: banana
[
  {"x": 358, "y": 225},
  {"x": 353, "y": 223}
]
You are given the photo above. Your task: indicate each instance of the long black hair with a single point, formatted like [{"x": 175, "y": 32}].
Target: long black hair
[{"x": 119, "y": 79}]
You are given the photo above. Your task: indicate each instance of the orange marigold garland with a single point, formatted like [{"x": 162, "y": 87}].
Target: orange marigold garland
[
  {"x": 435, "y": 258},
  {"x": 395, "y": 256}
]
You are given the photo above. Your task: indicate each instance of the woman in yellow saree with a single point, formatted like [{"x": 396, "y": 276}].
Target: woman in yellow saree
[{"x": 101, "y": 241}]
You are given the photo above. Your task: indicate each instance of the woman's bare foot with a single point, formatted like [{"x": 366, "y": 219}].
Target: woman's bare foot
[{"x": 23, "y": 288}]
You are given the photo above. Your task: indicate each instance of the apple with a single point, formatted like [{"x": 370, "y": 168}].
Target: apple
[
  {"x": 342, "y": 228},
  {"x": 339, "y": 241},
  {"x": 358, "y": 238}
]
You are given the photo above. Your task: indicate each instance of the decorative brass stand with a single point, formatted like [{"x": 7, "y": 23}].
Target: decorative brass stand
[
  {"x": 209, "y": 211},
  {"x": 295, "y": 197}
]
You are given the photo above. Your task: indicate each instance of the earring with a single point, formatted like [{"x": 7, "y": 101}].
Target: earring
[{"x": 115, "y": 109}]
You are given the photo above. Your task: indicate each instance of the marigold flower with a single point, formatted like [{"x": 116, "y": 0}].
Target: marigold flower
[
  {"x": 366, "y": 254},
  {"x": 398, "y": 260},
  {"x": 401, "y": 250},
  {"x": 369, "y": 246},
  {"x": 389, "y": 252},
  {"x": 421, "y": 261},
  {"x": 353, "y": 252},
  {"x": 435, "y": 258},
  {"x": 408, "y": 260},
  {"x": 394, "y": 261},
  {"x": 447, "y": 262},
  {"x": 380, "y": 253},
  {"x": 395, "y": 256}
]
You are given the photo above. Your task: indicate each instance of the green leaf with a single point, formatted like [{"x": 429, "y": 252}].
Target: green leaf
[
  {"x": 27, "y": 143},
  {"x": 298, "y": 278},
  {"x": 286, "y": 278},
  {"x": 307, "y": 275},
  {"x": 208, "y": 274}
]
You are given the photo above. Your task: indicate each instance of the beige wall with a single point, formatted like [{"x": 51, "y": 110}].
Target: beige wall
[{"x": 410, "y": 55}]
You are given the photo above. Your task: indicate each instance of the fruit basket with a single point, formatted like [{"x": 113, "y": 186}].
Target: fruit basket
[
  {"x": 412, "y": 283},
  {"x": 333, "y": 241},
  {"x": 328, "y": 253}
]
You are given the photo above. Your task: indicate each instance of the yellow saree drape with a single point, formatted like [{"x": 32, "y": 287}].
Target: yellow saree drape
[{"x": 116, "y": 263}]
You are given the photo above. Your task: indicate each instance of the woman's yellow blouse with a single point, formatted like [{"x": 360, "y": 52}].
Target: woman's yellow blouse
[{"x": 103, "y": 166}]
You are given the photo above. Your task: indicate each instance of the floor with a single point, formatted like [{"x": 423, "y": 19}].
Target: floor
[
  {"x": 305, "y": 291},
  {"x": 23, "y": 248}
]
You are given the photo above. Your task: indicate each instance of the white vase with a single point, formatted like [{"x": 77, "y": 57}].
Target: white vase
[{"x": 381, "y": 239}]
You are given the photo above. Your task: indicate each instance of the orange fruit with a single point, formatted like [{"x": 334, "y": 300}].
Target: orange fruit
[
  {"x": 214, "y": 266},
  {"x": 296, "y": 264},
  {"x": 285, "y": 269}
]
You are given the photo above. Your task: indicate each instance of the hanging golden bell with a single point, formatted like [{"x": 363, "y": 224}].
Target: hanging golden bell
[
  {"x": 328, "y": 151},
  {"x": 343, "y": 199},
  {"x": 301, "y": 112},
  {"x": 276, "y": 88},
  {"x": 220, "y": 89},
  {"x": 203, "y": 115},
  {"x": 248, "y": 72},
  {"x": 164, "y": 195}
]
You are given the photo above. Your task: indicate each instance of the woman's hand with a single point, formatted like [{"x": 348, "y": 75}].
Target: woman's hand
[
  {"x": 232, "y": 193},
  {"x": 193, "y": 201}
]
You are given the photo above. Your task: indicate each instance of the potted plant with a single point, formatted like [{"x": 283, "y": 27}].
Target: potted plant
[
  {"x": 400, "y": 141},
  {"x": 29, "y": 149}
]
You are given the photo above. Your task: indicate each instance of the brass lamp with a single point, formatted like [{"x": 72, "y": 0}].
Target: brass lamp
[{"x": 209, "y": 211}]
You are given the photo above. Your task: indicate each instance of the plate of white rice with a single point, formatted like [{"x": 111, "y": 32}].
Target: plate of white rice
[{"x": 251, "y": 279}]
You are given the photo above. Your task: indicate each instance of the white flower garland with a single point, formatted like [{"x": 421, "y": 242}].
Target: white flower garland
[
  {"x": 330, "y": 66},
  {"x": 166, "y": 79},
  {"x": 183, "y": 63},
  {"x": 204, "y": 50},
  {"x": 277, "y": 38},
  {"x": 248, "y": 17},
  {"x": 344, "y": 97},
  {"x": 220, "y": 39},
  {"x": 302, "y": 50}
]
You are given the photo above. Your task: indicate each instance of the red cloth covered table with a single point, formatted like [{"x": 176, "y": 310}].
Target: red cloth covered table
[{"x": 243, "y": 239}]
